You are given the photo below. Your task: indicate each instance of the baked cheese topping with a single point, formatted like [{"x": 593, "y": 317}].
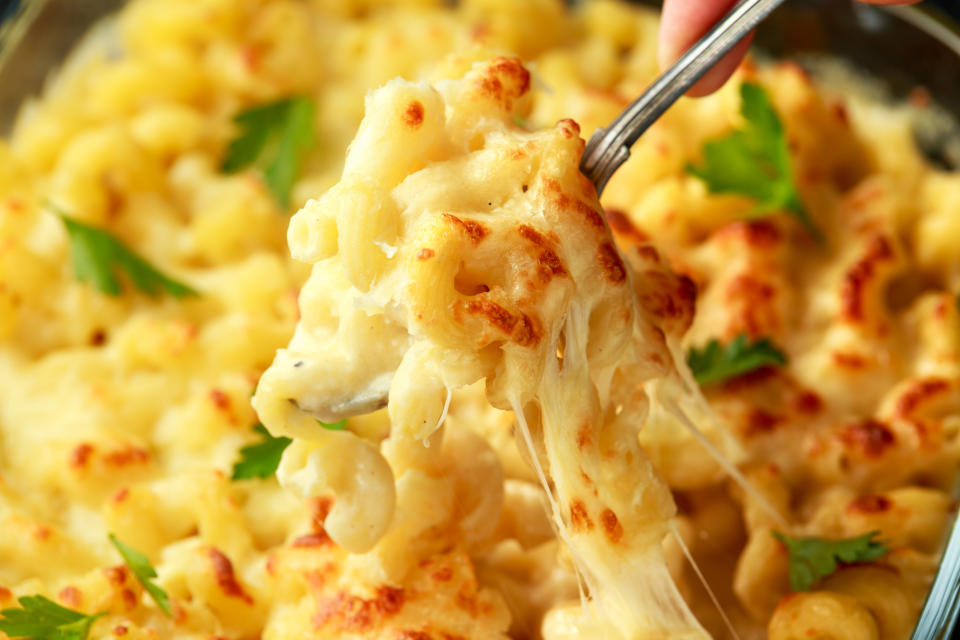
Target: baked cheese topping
[{"x": 460, "y": 246}]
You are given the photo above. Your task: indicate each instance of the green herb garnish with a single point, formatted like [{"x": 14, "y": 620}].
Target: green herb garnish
[
  {"x": 260, "y": 460},
  {"x": 43, "y": 619},
  {"x": 140, "y": 565},
  {"x": 814, "y": 558},
  {"x": 274, "y": 137},
  {"x": 716, "y": 363},
  {"x": 755, "y": 161},
  {"x": 97, "y": 257}
]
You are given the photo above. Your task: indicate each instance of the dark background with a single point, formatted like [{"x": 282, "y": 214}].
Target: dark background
[{"x": 7, "y": 7}]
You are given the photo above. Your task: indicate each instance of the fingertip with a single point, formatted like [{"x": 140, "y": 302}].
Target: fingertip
[{"x": 721, "y": 72}]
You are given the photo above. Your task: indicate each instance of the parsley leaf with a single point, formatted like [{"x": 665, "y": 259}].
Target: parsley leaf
[
  {"x": 97, "y": 256},
  {"x": 260, "y": 460},
  {"x": 43, "y": 619},
  {"x": 274, "y": 137},
  {"x": 334, "y": 426},
  {"x": 716, "y": 363},
  {"x": 814, "y": 558},
  {"x": 140, "y": 565},
  {"x": 755, "y": 161}
]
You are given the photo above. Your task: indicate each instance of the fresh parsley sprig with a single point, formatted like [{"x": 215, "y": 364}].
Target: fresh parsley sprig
[
  {"x": 139, "y": 564},
  {"x": 97, "y": 257},
  {"x": 716, "y": 363},
  {"x": 275, "y": 138},
  {"x": 43, "y": 619},
  {"x": 261, "y": 459},
  {"x": 812, "y": 559},
  {"x": 755, "y": 161}
]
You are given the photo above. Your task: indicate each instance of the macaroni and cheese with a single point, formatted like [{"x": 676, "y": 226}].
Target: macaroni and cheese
[{"x": 545, "y": 464}]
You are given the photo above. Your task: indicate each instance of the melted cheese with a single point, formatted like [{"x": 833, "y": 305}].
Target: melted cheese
[{"x": 504, "y": 270}]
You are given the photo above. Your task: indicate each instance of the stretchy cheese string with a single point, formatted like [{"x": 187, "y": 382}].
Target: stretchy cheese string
[
  {"x": 731, "y": 470},
  {"x": 703, "y": 581}
]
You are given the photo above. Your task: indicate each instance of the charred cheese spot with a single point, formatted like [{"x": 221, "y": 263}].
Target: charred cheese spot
[
  {"x": 585, "y": 477},
  {"x": 494, "y": 313},
  {"x": 130, "y": 600},
  {"x": 870, "y": 503},
  {"x": 549, "y": 264},
  {"x": 624, "y": 230},
  {"x": 611, "y": 526},
  {"x": 584, "y": 436},
  {"x": 127, "y": 456},
  {"x": 528, "y": 331},
  {"x": 225, "y": 577},
  {"x": 918, "y": 394},
  {"x": 319, "y": 510},
  {"x": 808, "y": 402},
  {"x": 565, "y": 202},
  {"x": 852, "y": 361},
  {"x": 752, "y": 297},
  {"x": 80, "y": 455},
  {"x": 648, "y": 253},
  {"x": 754, "y": 234},
  {"x": 667, "y": 297},
  {"x": 413, "y": 115},
  {"x": 862, "y": 275},
  {"x": 116, "y": 575},
  {"x": 318, "y": 539},
  {"x": 761, "y": 422},
  {"x": 579, "y": 518},
  {"x": 870, "y": 437},
  {"x": 356, "y": 614},
  {"x": 473, "y": 230},
  {"x": 610, "y": 263},
  {"x": 443, "y": 574},
  {"x": 569, "y": 128},
  {"x": 69, "y": 595},
  {"x": 220, "y": 399},
  {"x": 503, "y": 81}
]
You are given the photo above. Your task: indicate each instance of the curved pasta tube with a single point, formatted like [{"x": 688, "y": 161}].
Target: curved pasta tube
[
  {"x": 821, "y": 615},
  {"x": 352, "y": 469}
]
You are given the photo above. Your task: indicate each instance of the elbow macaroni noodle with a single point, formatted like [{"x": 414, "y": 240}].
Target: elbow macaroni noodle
[
  {"x": 503, "y": 270},
  {"x": 452, "y": 255}
]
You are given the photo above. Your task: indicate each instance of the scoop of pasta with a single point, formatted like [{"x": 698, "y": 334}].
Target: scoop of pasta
[{"x": 460, "y": 246}]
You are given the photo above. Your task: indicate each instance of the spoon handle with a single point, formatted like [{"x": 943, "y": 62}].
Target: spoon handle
[{"x": 610, "y": 147}]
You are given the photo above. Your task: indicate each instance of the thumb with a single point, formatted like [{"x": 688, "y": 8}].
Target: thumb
[{"x": 682, "y": 23}]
